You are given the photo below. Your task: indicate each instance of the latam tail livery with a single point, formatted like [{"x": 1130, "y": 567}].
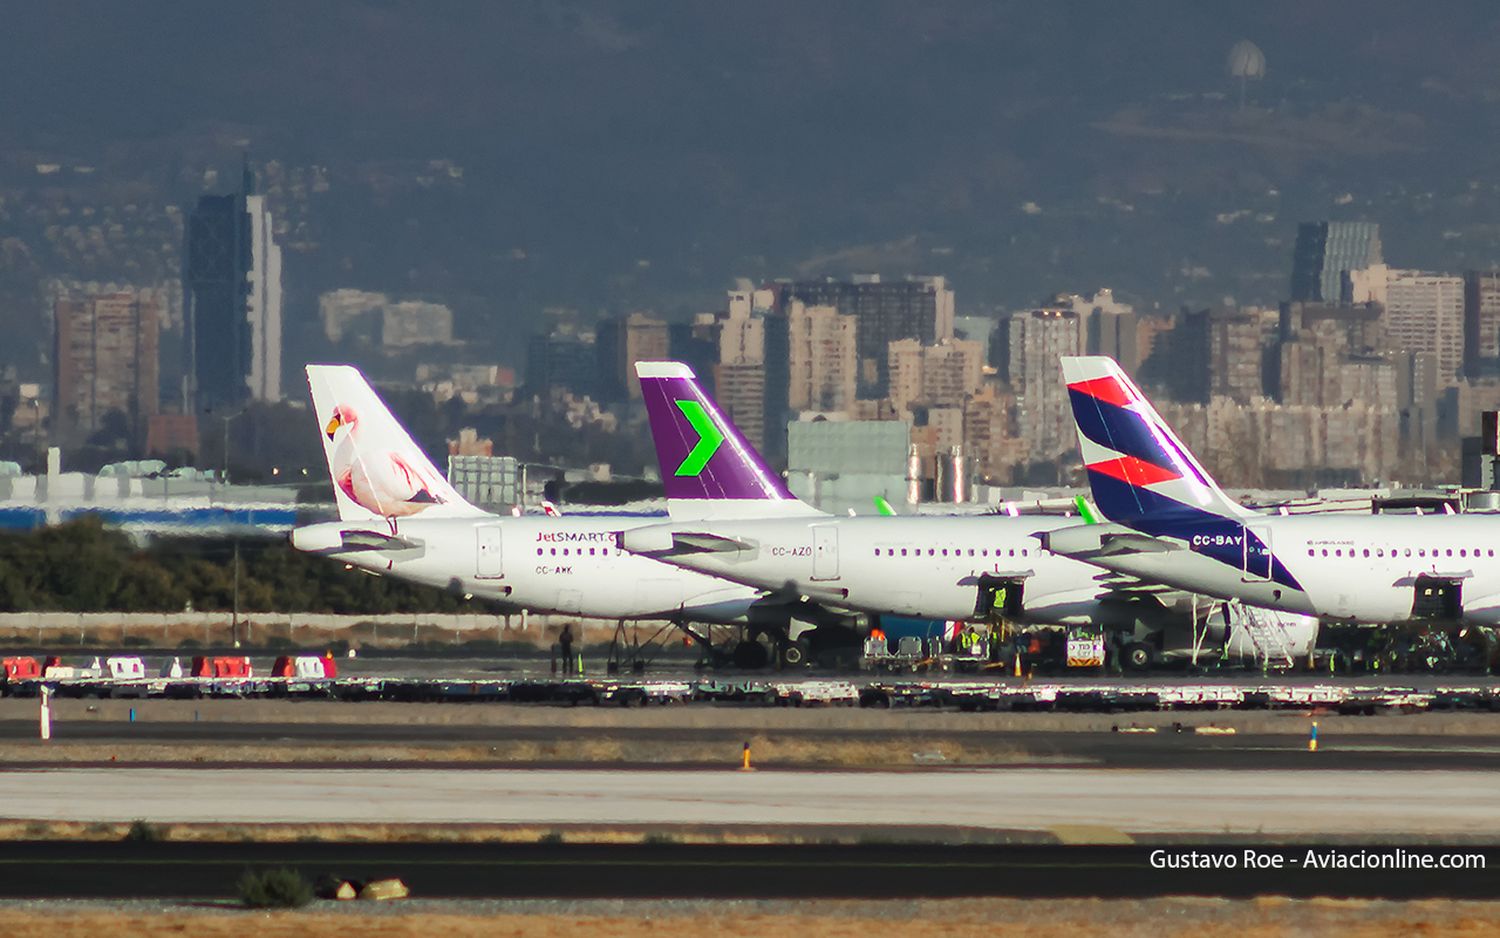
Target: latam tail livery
[
  {"x": 1171, "y": 523},
  {"x": 398, "y": 516},
  {"x": 732, "y": 516}
]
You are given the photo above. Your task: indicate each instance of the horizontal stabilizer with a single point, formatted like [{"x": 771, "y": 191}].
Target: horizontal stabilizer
[
  {"x": 1115, "y": 544},
  {"x": 702, "y": 543}
]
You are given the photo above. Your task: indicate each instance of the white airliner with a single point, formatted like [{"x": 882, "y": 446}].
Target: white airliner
[
  {"x": 733, "y": 517},
  {"x": 399, "y": 516},
  {"x": 1172, "y": 524}
]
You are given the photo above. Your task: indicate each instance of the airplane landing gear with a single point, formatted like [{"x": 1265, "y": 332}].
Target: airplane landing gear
[{"x": 750, "y": 654}]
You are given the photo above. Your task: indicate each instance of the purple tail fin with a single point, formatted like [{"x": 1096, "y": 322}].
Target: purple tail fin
[{"x": 707, "y": 467}]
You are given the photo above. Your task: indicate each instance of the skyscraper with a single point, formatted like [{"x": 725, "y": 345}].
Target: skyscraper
[
  {"x": 1481, "y": 323},
  {"x": 105, "y": 360},
  {"x": 1424, "y": 312},
  {"x": 232, "y": 301},
  {"x": 919, "y": 308},
  {"x": 1037, "y": 338},
  {"x": 823, "y": 358},
  {"x": 1325, "y": 250},
  {"x": 623, "y": 341}
]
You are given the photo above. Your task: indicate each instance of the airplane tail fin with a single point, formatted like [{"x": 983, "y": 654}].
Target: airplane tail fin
[
  {"x": 707, "y": 467},
  {"x": 1136, "y": 465},
  {"x": 378, "y": 471}
]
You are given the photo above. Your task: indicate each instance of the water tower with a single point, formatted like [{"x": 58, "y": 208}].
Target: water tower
[{"x": 1246, "y": 63}]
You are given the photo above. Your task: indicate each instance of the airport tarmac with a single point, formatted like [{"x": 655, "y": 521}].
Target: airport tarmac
[{"x": 1110, "y": 802}]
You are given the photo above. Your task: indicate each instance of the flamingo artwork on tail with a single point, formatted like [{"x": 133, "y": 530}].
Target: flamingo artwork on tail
[
  {"x": 377, "y": 469},
  {"x": 381, "y": 480}
]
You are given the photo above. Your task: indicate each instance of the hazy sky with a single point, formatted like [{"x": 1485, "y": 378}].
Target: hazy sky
[{"x": 648, "y": 153}]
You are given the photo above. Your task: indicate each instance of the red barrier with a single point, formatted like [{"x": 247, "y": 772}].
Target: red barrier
[
  {"x": 221, "y": 667},
  {"x": 19, "y": 669}
]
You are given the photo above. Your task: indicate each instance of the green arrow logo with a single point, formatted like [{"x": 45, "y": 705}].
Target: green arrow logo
[{"x": 709, "y": 438}]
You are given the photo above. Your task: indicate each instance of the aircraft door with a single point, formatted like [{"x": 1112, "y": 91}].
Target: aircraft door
[
  {"x": 1255, "y": 542},
  {"x": 1000, "y": 598},
  {"x": 1437, "y": 598},
  {"x": 488, "y": 555},
  {"x": 825, "y": 552}
]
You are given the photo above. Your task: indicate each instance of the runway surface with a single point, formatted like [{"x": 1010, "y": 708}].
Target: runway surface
[{"x": 1448, "y": 803}]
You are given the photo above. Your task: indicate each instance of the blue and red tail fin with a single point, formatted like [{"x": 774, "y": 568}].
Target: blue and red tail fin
[
  {"x": 708, "y": 468},
  {"x": 1136, "y": 465}
]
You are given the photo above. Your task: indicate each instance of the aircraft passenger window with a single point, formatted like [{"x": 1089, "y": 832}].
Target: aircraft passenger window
[
  {"x": 591, "y": 551},
  {"x": 971, "y": 552},
  {"x": 1407, "y": 552},
  {"x": 1311, "y": 552},
  {"x": 1379, "y": 552},
  {"x": 1012, "y": 551},
  {"x": 554, "y": 551},
  {"x": 1025, "y": 552},
  {"x": 1367, "y": 551},
  {"x": 1462, "y": 552},
  {"x": 984, "y": 551},
  {"x": 932, "y": 551},
  {"x": 539, "y": 552},
  {"x": 945, "y": 551},
  {"x": 1325, "y": 552},
  {"x": 1450, "y": 552},
  {"x": 903, "y": 551}
]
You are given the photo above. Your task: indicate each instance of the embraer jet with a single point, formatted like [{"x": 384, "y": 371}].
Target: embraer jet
[
  {"x": 732, "y": 516},
  {"x": 1172, "y": 524},
  {"x": 399, "y": 516}
]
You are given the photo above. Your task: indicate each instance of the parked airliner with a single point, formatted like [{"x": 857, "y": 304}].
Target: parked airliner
[
  {"x": 732, "y": 516},
  {"x": 1171, "y": 524},
  {"x": 398, "y": 516}
]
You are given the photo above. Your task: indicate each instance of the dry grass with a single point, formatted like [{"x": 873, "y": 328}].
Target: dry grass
[
  {"x": 734, "y": 719},
  {"x": 767, "y": 749},
  {"x": 1156, "y": 918}
]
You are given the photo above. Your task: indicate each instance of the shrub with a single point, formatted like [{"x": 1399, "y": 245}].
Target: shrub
[
  {"x": 280, "y": 888},
  {"x": 142, "y": 832}
]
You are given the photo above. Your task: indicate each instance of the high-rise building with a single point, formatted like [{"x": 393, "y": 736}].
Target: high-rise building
[
  {"x": 1234, "y": 349},
  {"x": 1481, "y": 323},
  {"x": 105, "y": 361},
  {"x": 1424, "y": 312},
  {"x": 823, "y": 360},
  {"x": 623, "y": 341},
  {"x": 1038, "y": 338},
  {"x": 1326, "y": 355},
  {"x": 1325, "y": 251},
  {"x": 754, "y": 353},
  {"x": 232, "y": 300},
  {"x": 564, "y": 360},
  {"x": 740, "y": 389},
  {"x": 920, "y": 308},
  {"x": 1109, "y": 325},
  {"x": 1209, "y": 352},
  {"x": 945, "y": 374}
]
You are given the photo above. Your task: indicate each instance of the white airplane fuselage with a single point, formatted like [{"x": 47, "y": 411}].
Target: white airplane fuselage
[
  {"x": 926, "y": 567},
  {"x": 1360, "y": 569},
  {"x": 542, "y": 564}
]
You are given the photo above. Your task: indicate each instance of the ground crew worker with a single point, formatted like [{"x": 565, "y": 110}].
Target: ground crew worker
[
  {"x": 565, "y": 646},
  {"x": 997, "y": 608}
]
